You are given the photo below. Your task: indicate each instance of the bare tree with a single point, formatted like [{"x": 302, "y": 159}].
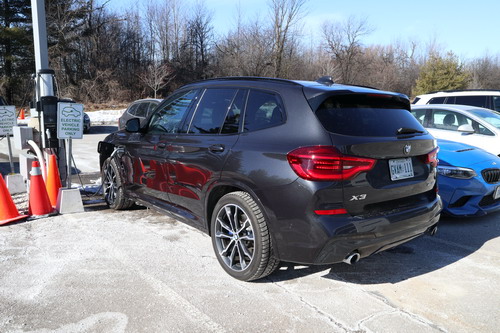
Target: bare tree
[
  {"x": 157, "y": 76},
  {"x": 485, "y": 73},
  {"x": 246, "y": 51},
  {"x": 343, "y": 43},
  {"x": 286, "y": 14}
]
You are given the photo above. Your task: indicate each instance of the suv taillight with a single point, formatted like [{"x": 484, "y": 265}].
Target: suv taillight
[
  {"x": 326, "y": 163},
  {"x": 432, "y": 157}
]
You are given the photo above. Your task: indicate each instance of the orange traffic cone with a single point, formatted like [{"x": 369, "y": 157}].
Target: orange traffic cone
[
  {"x": 39, "y": 205},
  {"x": 21, "y": 114},
  {"x": 8, "y": 210},
  {"x": 53, "y": 180}
]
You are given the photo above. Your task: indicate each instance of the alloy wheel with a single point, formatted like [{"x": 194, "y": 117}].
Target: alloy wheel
[
  {"x": 110, "y": 185},
  {"x": 234, "y": 237}
]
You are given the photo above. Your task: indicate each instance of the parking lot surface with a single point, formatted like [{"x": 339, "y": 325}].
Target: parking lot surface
[{"x": 139, "y": 271}]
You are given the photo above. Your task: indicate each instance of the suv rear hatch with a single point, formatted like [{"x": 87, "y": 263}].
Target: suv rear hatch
[{"x": 385, "y": 159}]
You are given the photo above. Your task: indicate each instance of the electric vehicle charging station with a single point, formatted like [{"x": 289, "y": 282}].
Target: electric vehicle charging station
[{"x": 46, "y": 115}]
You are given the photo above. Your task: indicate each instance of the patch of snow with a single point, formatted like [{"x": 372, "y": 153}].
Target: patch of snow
[{"x": 105, "y": 116}]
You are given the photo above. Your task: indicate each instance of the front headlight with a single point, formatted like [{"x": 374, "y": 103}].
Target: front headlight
[{"x": 456, "y": 172}]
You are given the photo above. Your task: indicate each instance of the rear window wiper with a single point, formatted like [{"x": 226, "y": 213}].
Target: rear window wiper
[{"x": 406, "y": 130}]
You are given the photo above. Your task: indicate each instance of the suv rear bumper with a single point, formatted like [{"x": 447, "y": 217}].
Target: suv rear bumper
[{"x": 332, "y": 238}]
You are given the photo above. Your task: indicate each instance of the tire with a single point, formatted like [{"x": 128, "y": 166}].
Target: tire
[
  {"x": 112, "y": 188},
  {"x": 242, "y": 245}
]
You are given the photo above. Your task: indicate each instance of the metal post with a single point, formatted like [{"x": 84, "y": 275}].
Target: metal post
[
  {"x": 69, "y": 145},
  {"x": 10, "y": 154},
  {"x": 40, "y": 35},
  {"x": 44, "y": 75}
]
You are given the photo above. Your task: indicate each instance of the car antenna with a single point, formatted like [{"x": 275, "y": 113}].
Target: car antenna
[{"x": 326, "y": 80}]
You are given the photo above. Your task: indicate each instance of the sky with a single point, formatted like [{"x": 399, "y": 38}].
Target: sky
[{"x": 470, "y": 29}]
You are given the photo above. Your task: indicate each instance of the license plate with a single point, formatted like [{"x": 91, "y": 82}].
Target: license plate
[
  {"x": 401, "y": 168},
  {"x": 496, "y": 194}
]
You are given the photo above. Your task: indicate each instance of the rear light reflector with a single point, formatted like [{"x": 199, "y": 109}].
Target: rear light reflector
[
  {"x": 326, "y": 163},
  {"x": 331, "y": 211}
]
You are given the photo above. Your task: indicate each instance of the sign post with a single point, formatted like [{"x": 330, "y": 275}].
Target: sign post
[
  {"x": 7, "y": 121},
  {"x": 69, "y": 126}
]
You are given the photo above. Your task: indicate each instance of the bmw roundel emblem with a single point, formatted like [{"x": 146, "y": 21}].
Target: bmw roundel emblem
[{"x": 407, "y": 149}]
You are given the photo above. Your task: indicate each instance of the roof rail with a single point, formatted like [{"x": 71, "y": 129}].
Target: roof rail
[
  {"x": 249, "y": 78},
  {"x": 461, "y": 90}
]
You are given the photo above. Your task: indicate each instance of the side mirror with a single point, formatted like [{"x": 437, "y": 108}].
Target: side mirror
[
  {"x": 466, "y": 128},
  {"x": 133, "y": 125}
]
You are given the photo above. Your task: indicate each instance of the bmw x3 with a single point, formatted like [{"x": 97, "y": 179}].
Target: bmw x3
[{"x": 280, "y": 170}]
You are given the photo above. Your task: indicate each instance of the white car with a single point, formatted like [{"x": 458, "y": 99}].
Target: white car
[
  {"x": 489, "y": 99},
  {"x": 463, "y": 123}
]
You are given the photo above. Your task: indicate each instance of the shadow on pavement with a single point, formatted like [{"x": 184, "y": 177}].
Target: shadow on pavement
[{"x": 456, "y": 239}]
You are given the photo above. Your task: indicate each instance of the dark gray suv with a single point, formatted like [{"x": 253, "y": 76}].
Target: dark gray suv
[{"x": 279, "y": 170}]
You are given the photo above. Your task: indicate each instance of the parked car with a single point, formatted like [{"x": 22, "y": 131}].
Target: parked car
[
  {"x": 86, "y": 123},
  {"x": 489, "y": 99},
  {"x": 278, "y": 170},
  {"x": 468, "y": 124},
  {"x": 468, "y": 180},
  {"x": 141, "y": 109}
]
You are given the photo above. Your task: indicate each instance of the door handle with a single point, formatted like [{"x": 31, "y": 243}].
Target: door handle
[{"x": 218, "y": 148}]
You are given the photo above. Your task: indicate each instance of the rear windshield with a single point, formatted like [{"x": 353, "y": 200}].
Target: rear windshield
[{"x": 365, "y": 115}]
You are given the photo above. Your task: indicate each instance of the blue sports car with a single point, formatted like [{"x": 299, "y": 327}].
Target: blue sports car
[{"x": 468, "y": 179}]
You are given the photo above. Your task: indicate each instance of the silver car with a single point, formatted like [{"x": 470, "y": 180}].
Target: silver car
[{"x": 141, "y": 109}]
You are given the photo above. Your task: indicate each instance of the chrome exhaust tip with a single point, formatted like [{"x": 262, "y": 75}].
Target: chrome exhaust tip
[
  {"x": 352, "y": 258},
  {"x": 433, "y": 230}
]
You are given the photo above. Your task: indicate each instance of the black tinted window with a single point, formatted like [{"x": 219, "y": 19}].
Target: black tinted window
[
  {"x": 496, "y": 103},
  {"x": 141, "y": 110},
  {"x": 131, "y": 109},
  {"x": 232, "y": 121},
  {"x": 168, "y": 118},
  {"x": 362, "y": 115},
  {"x": 472, "y": 100},
  {"x": 151, "y": 107},
  {"x": 437, "y": 100},
  {"x": 420, "y": 115},
  {"x": 263, "y": 110},
  {"x": 211, "y": 111}
]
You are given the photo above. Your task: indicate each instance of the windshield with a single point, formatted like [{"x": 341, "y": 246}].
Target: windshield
[{"x": 491, "y": 117}]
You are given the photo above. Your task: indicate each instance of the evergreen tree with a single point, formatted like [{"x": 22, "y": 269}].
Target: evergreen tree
[
  {"x": 16, "y": 49},
  {"x": 441, "y": 73}
]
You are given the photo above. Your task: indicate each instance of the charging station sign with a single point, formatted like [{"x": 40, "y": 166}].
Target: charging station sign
[
  {"x": 69, "y": 121},
  {"x": 7, "y": 119}
]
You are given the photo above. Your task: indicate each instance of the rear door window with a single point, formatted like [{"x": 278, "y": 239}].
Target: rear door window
[
  {"x": 233, "y": 117},
  {"x": 151, "y": 107},
  {"x": 480, "y": 101},
  {"x": 446, "y": 120},
  {"x": 264, "y": 110},
  {"x": 364, "y": 115},
  {"x": 141, "y": 110}
]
